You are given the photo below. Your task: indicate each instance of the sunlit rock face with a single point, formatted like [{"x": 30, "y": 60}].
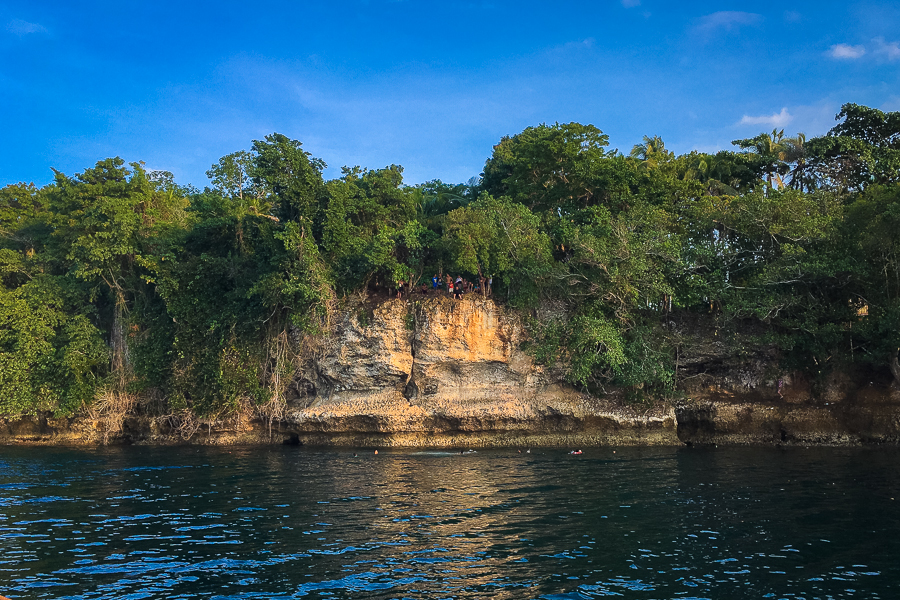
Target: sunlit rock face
[
  {"x": 436, "y": 371},
  {"x": 441, "y": 372},
  {"x": 469, "y": 351},
  {"x": 432, "y": 347}
]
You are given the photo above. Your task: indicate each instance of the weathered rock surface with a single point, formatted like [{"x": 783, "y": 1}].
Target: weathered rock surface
[
  {"x": 432, "y": 371},
  {"x": 440, "y": 372}
]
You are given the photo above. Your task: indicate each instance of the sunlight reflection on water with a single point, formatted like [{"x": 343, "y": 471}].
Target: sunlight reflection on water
[{"x": 304, "y": 523}]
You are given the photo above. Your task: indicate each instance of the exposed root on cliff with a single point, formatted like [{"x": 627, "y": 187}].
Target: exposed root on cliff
[
  {"x": 186, "y": 425},
  {"x": 110, "y": 409}
]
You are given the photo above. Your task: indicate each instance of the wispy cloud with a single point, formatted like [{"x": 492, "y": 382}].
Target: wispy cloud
[
  {"x": 20, "y": 27},
  {"x": 585, "y": 43},
  {"x": 631, "y": 3},
  {"x": 889, "y": 50},
  {"x": 892, "y": 104},
  {"x": 846, "y": 51},
  {"x": 777, "y": 120},
  {"x": 727, "y": 20},
  {"x": 878, "y": 48}
]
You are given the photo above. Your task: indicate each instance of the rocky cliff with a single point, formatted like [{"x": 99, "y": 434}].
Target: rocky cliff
[
  {"x": 431, "y": 371},
  {"x": 435, "y": 371}
]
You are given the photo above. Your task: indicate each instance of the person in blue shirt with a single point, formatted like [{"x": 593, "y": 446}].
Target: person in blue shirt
[{"x": 434, "y": 282}]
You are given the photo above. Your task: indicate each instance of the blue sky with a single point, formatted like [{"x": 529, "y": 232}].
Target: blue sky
[{"x": 428, "y": 85}]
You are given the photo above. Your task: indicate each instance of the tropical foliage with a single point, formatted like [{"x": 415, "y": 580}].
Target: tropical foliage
[{"x": 119, "y": 279}]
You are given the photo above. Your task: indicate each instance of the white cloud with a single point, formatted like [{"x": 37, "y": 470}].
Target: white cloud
[
  {"x": 777, "y": 120},
  {"x": 20, "y": 27},
  {"x": 890, "y": 50},
  {"x": 631, "y": 3},
  {"x": 846, "y": 51},
  {"x": 885, "y": 50},
  {"x": 727, "y": 20}
]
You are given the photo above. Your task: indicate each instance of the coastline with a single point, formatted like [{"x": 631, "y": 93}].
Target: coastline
[
  {"x": 433, "y": 372},
  {"x": 708, "y": 423}
]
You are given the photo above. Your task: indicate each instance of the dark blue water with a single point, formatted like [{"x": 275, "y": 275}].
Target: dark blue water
[{"x": 302, "y": 523}]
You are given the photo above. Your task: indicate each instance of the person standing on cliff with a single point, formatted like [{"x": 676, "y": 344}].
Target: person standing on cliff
[
  {"x": 434, "y": 282},
  {"x": 490, "y": 282}
]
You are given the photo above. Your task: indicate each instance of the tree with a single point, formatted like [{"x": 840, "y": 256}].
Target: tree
[
  {"x": 870, "y": 125},
  {"x": 52, "y": 357},
  {"x": 498, "y": 238},
  {"x": 550, "y": 166},
  {"x": 291, "y": 175},
  {"x": 863, "y": 149},
  {"x": 367, "y": 232},
  {"x": 871, "y": 239},
  {"x": 103, "y": 220},
  {"x": 795, "y": 153},
  {"x": 771, "y": 153},
  {"x": 232, "y": 177},
  {"x": 438, "y": 198}
]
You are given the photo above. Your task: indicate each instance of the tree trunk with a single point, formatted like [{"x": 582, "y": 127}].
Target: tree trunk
[
  {"x": 119, "y": 342},
  {"x": 894, "y": 364}
]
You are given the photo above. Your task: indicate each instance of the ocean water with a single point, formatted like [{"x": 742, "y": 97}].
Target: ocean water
[{"x": 283, "y": 522}]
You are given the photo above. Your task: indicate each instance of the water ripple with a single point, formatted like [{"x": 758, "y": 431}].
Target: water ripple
[{"x": 298, "y": 523}]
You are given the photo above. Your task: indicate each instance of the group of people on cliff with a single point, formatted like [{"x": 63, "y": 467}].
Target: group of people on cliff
[{"x": 455, "y": 288}]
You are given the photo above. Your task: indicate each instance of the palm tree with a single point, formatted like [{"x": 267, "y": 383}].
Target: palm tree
[
  {"x": 651, "y": 151},
  {"x": 795, "y": 153},
  {"x": 713, "y": 172},
  {"x": 438, "y": 198},
  {"x": 769, "y": 147}
]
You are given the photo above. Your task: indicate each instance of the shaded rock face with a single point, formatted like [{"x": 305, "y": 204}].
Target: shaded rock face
[
  {"x": 854, "y": 420},
  {"x": 367, "y": 356}
]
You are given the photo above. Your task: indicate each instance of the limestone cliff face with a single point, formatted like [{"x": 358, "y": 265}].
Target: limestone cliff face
[
  {"x": 437, "y": 371},
  {"x": 366, "y": 354}
]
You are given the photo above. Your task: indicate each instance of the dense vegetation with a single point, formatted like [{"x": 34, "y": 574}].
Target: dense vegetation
[{"x": 118, "y": 283}]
